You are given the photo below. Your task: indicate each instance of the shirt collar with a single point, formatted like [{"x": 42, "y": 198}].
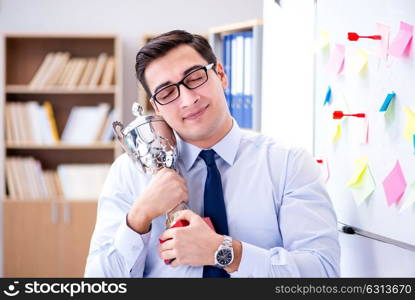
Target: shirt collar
[{"x": 226, "y": 148}]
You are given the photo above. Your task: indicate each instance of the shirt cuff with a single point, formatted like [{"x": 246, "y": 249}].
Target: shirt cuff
[
  {"x": 130, "y": 243},
  {"x": 255, "y": 262}
]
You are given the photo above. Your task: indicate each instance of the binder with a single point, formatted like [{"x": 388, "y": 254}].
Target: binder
[
  {"x": 237, "y": 96},
  {"x": 247, "y": 110},
  {"x": 227, "y": 52},
  {"x": 233, "y": 78}
]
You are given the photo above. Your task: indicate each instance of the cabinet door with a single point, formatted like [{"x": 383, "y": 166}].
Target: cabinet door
[
  {"x": 77, "y": 224},
  {"x": 31, "y": 239}
]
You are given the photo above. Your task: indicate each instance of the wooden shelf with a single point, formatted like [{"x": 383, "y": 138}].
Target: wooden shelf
[
  {"x": 61, "y": 146},
  {"x": 241, "y": 26},
  {"x": 24, "y": 89}
]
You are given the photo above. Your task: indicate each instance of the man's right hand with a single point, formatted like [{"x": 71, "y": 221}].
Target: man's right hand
[{"x": 166, "y": 190}]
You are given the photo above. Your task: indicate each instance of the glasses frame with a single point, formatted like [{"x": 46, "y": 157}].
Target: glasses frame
[{"x": 177, "y": 85}]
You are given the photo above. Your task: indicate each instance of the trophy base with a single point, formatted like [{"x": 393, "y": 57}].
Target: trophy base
[{"x": 184, "y": 223}]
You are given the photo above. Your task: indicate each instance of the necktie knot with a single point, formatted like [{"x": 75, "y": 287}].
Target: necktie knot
[{"x": 208, "y": 156}]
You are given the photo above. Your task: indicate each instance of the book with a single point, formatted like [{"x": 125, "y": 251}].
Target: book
[
  {"x": 84, "y": 123},
  {"x": 68, "y": 68},
  {"x": 52, "y": 121},
  {"x": 9, "y": 127},
  {"x": 33, "y": 110},
  {"x": 69, "y": 73},
  {"x": 99, "y": 69},
  {"x": 34, "y": 83},
  {"x": 20, "y": 122},
  {"x": 77, "y": 73},
  {"x": 108, "y": 75},
  {"x": 82, "y": 181},
  {"x": 61, "y": 63},
  {"x": 45, "y": 129},
  {"x": 89, "y": 69},
  {"x": 10, "y": 180},
  {"x": 50, "y": 71},
  {"x": 27, "y": 125},
  {"x": 108, "y": 133}
]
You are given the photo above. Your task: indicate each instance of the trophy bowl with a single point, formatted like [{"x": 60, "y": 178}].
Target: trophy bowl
[{"x": 148, "y": 140}]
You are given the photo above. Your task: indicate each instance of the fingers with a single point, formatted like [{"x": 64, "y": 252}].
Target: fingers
[
  {"x": 168, "y": 254},
  {"x": 166, "y": 245},
  {"x": 168, "y": 234}
]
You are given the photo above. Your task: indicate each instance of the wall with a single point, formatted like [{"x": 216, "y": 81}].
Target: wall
[
  {"x": 288, "y": 70},
  {"x": 128, "y": 18}
]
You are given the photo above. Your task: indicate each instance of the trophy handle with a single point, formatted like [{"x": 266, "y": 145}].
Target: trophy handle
[{"x": 118, "y": 127}]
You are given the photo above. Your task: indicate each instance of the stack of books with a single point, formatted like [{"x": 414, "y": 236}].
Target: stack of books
[
  {"x": 32, "y": 123},
  {"x": 26, "y": 180},
  {"x": 58, "y": 69}
]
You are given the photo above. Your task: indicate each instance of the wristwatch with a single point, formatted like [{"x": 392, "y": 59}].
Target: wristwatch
[{"x": 224, "y": 253}]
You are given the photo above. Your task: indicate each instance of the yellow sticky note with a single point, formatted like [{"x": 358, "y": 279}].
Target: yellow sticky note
[
  {"x": 358, "y": 61},
  {"x": 360, "y": 168},
  {"x": 323, "y": 41},
  {"x": 409, "y": 130},
  {"x": 364, "y": 188},
  {"x": 337, "y": 132},
  {"x": 409, "y": 198}
]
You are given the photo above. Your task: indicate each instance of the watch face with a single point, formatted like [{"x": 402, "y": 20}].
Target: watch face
[{"x": 224, "y": 257}]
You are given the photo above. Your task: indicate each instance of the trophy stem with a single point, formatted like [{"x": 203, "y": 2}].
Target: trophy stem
[{"x": 172, "y": 215}]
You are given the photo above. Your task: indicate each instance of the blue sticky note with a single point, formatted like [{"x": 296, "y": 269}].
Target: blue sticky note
[
  {"x": 328, "y": 96},
  {"x": 387, "y": 101}
]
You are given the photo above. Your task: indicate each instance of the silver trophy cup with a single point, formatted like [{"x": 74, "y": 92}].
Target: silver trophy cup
[{"x": 150, "y": 142}]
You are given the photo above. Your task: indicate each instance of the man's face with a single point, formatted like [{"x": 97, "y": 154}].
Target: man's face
[{"x": 200, "y": 113}]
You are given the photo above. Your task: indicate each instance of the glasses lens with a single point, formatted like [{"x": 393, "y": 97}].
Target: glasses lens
[
  {"x": 167, "y": 94},
  {"x": 195, "y": 79}
]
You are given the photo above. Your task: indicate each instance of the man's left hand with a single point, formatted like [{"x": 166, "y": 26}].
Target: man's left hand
[{"x": 192, "y": 245}]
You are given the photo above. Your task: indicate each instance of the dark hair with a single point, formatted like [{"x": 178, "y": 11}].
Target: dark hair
[{"x": 160, "y": 45}]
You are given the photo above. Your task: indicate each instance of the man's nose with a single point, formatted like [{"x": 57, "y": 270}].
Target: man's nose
[{"x": 187, "y": 96}]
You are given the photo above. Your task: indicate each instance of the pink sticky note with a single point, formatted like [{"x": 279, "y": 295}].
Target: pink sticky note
[
  {"x": 384, "y": 31},
  {"x": 402, "y": 40},
  {"x": 336, "y": 61},
  {"x": 394, "y": 185}
]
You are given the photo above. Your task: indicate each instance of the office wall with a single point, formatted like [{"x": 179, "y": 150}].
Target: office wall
[
  {"x": 128, "y": 18},
  {"x": 288, "y": 71}
]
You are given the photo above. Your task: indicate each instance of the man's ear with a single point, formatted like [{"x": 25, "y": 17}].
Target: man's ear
[
  {"x": 222, "y": 75},
  {"x": 154, "y": 105}
]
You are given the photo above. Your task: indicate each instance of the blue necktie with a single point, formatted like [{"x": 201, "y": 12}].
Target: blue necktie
[{"x": 214, "y": 206}]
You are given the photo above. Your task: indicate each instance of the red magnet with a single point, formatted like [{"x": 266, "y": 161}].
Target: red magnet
[
  {"x": 338, "y": 114},
  {"x": 353, "y": 36}
]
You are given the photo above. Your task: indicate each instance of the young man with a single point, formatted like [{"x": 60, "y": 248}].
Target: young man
[{"x": 271, "y": 212}]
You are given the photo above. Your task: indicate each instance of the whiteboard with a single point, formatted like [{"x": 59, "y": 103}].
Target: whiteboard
[{"x": 365, "y": 93}]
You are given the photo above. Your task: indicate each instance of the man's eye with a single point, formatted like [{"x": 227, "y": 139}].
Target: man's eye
[
  {"x": 195, "y": 79},
  {"x": 165, "y": 95}
]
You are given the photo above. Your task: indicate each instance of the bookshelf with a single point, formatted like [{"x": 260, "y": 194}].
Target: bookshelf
[
  {"x": 53, "y": 227},
  {"x": 247, "y": 83}
]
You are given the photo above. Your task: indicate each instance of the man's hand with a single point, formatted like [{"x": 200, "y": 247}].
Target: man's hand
[
  {"x": 167, "y": 189},
  {"x": 193, "y": 245}
]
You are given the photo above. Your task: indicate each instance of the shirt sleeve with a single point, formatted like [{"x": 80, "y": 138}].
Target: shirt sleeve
[
  {"x": 115, "y": 248},
  {"x": 308, "y": 227}
]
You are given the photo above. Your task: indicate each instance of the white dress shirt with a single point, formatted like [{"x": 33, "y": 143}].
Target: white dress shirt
[{"x": 276, "y": 205}]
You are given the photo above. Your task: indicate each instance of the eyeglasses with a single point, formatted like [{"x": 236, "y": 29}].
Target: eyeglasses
[{"x": 191, "y": 81}]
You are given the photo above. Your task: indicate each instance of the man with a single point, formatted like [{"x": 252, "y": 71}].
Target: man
[{"x": 271, "y": 212}]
